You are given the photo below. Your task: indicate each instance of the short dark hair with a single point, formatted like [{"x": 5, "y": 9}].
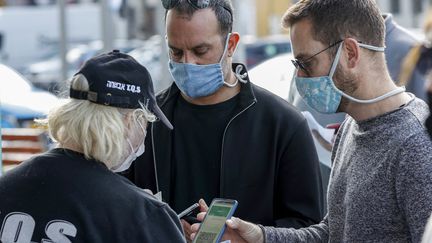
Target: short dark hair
[
  {"x": 222, "y": 8},
  {"x": 334, "y": 20}
]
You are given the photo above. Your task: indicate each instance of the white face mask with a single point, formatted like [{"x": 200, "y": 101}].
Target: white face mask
[{"x": 132, "y": 156}]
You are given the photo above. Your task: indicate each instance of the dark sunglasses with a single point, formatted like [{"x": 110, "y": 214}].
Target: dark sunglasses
[
  {"x": 301, "y": 64},
  {"x": 198, "y": 4}
]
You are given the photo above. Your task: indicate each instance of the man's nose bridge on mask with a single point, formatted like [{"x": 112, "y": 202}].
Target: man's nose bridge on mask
[
  {"x": 301, "y": 73},
  {"x": 188, "y": 57}
]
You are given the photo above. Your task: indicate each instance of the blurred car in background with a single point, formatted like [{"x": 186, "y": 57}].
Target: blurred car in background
[
  {"x": 276, "y": 75},
  {"x": 258, "y": 50},
  {"x": 46, "y": 74},
  {"x": 148, "y": 55},
  {"x": 20, "y": 101}
]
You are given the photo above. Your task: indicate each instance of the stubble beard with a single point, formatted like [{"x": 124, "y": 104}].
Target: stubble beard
[{"x": 346, "y": 82}]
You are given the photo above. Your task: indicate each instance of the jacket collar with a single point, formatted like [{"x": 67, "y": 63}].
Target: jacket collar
[
  {"x": 162, "y": 146},
  {"x": 390, "y": 24}
]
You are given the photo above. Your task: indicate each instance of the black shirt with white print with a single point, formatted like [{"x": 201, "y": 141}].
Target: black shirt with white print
[{"x": 60, "y": 196}]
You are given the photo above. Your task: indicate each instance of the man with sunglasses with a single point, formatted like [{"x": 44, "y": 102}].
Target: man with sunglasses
[
  {"x": 380, "y": 187},
  {"x": 231, "y": 139}
]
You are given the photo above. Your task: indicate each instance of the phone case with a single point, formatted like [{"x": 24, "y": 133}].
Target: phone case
[{"x": 233, "y": 209}]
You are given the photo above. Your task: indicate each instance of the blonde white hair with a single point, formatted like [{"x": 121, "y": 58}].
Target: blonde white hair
[{"x": 99, "y": 131}]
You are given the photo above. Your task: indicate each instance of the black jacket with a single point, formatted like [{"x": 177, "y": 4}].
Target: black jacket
[
  {"x": 268, "y": 160},
  {"x": 60, "y": 196}
]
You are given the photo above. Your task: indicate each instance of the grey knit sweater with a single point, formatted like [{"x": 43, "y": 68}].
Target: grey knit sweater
[{"x": 381, "y": 182}]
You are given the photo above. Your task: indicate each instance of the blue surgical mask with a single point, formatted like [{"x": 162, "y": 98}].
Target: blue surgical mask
[
  {"x": 322, "y": 95},
  {"x": 199, "y": 80}
]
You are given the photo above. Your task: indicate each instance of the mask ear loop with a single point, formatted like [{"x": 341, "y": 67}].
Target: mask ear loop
[
  {"x": 237, "y": 72},
  {"x": 225, "y": 47},
  {"x": 130, "y": 145},
  {"x": 239, "y": 77},
  {"x": 373, "y": 48},
  {"x": 379, "y": 98},
  {"x": 137, "y": 118},
  {"x": 239, "y": 68},
  {"x": 143, "y": 129},
  {"x": 336, "y": 61}
]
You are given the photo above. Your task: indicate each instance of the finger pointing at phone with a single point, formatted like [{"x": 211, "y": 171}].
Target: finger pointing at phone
[
  {"x": 203, "y": 206},
  {"x": 200, "y": 217}
]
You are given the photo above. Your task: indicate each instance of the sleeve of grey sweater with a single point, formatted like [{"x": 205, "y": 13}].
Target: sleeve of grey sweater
[
  {"x": 411, "y": 175},
  {"x": 413, "y": 183},
  {"x": 312, "y": 234}
]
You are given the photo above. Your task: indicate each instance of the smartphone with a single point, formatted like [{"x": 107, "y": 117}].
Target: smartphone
[
  {"x": 188, "y": 214},
  {"x": 213, "y": 225}
]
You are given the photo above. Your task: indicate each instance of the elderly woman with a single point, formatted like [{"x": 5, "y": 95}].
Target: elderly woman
[{"x": 71, "y": 193}]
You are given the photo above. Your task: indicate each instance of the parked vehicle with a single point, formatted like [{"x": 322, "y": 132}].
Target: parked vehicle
[
  {"x": 256, "y": 51},
  {"x": 20, "y": 101},
  {"x": 148, "y": 55},
  {"x": 30, "y": 32},
  {"x": 46, "y": 74}
]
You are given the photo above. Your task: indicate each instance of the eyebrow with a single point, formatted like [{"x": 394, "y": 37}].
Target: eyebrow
[
  {"x": 301, "y": 56},
  {"x": 201, "y": 45},
  {"x": 173, "y": 47},
  {"x": 195, "y": 47}
]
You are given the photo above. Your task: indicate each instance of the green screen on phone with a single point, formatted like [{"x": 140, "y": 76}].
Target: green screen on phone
[{"x": 213, "y": 222}]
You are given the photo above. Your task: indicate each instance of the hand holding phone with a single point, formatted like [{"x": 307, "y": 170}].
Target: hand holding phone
[
  {"x": 190, "y": 213},
  {"x": 213, "y": 225}
]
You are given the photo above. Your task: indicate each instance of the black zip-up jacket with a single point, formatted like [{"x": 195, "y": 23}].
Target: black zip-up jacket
[{"x": 268, "y": 160}]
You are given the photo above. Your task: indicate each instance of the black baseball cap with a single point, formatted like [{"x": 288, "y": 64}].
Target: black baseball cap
[{"x": 117, "y": 79}]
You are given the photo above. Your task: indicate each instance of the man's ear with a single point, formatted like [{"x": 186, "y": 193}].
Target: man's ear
[
  {"x": 352, "y": 52},
  {"x": 232, "y": 43}
]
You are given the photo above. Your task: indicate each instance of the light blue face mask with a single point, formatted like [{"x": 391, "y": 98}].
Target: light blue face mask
[
  {"x": 322, "y": 95},
  {"x": 199, "y": 80}
]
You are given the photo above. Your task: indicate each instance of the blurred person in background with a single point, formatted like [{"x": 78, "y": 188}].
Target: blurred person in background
[
  {"x": 427, "y": 237},
  {"x": 418, "y": 62},
  {"x": 232, "y": 139},
  {"x": 380, "y": 188},
  {"x": 429, "y": 92},
  {"x": 71, "y": 193}
]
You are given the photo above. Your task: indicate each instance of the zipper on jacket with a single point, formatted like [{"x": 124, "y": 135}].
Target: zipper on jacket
[
  {"x": 153, "y": 144},
  {"x": 223, "y": 141}
]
